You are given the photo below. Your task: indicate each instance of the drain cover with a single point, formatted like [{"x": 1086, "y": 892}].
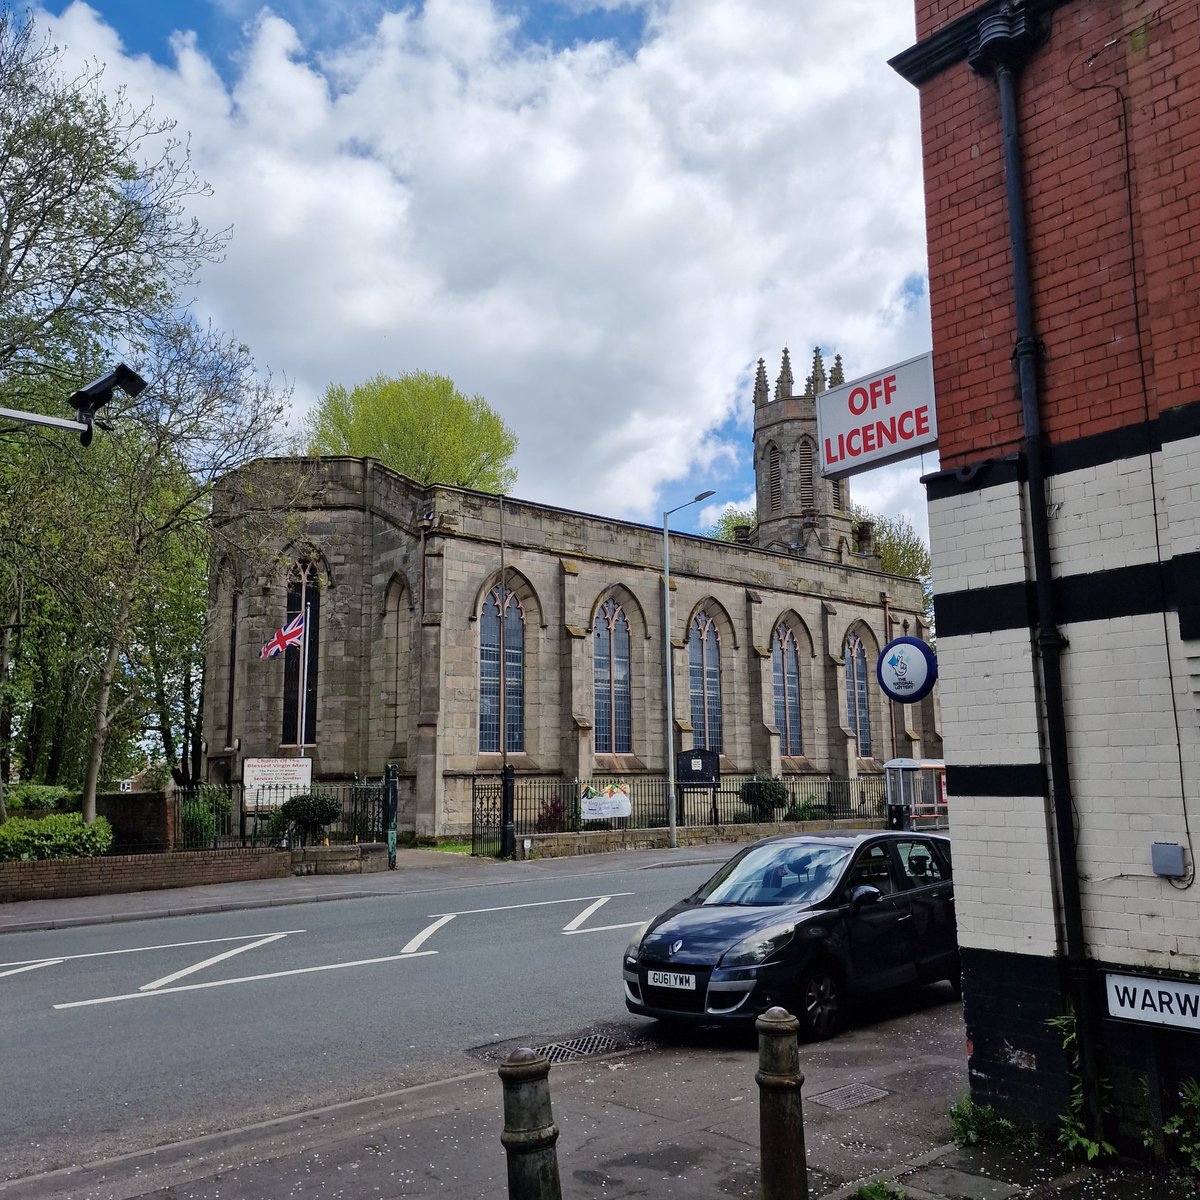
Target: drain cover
[
  {"x": 587, "y": 1045},
  {"x": 850, "y": 1096},
  {"x": 583, "y": 1047}
]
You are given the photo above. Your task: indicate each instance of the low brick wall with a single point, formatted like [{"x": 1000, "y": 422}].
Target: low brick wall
[
  {"x": 362, "y": 858},
  {"x": 560, "y": 845},
  {"x": 52, "y": 878}
]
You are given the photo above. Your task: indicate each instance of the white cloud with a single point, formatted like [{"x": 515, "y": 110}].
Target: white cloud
[{"x": 599, "y": 243}]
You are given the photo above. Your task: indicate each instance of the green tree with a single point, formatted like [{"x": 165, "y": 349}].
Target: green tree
[
  {"x": 901, "y": 549},
  {"x": 419, "y": 424},
  {"x": 94, "y": 232},
  {"x": 730, "y": 519}
]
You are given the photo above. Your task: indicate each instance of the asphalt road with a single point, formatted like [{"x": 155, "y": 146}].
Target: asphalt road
[{"x": 121, "y": 1037}]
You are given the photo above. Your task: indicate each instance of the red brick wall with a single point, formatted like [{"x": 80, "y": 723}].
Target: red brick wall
[
  {"x": 138, "y": 872},
  {"x": 1074, "y": 148}
]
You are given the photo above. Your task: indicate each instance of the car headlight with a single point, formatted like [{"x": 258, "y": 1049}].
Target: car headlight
[
  {"x": 631, "y": 951},
  {"x": 758, "y": 947}
]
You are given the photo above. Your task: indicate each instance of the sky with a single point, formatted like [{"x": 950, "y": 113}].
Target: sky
[{"x": 597, "y": 214}]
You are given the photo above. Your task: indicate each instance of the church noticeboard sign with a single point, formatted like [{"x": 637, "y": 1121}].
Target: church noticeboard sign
[
  {"x": 1154, "y": 1001},
  {"x": 268, "y": 782},
  {"x": 877, "y": 419}
]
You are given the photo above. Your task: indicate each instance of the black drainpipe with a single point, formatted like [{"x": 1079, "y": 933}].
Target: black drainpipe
[{"x": 1005, "y": 41}]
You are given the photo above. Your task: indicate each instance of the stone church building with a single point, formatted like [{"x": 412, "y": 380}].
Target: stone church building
[{"x": 415, "y": 593}]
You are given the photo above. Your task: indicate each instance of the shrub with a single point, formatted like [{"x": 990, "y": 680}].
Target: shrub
[
  {"x": 39, "y": 797},
  {"x": 552, "y": 817},
  {"x": 199, "y": 824},
  {"x": 797, "y": 811},
  {"x": 763, "y": 794},
  {"x": 304, "y": 816},
  {"x": 204, "y": 813},
  {"x": 60, "y": 835}
]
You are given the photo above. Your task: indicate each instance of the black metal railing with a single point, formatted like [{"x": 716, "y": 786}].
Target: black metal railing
[
  {"x": 210, "y": 817},
  {"x": 553, "y": 804}
]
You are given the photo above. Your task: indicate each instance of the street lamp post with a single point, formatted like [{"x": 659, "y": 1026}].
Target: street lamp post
[{"x": 668, "y": 672}]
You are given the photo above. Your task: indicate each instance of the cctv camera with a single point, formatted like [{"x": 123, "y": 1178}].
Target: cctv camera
[{"x": 90, "y": 399}]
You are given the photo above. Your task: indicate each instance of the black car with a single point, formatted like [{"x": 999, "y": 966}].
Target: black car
[{"x": 801, "y": 922}]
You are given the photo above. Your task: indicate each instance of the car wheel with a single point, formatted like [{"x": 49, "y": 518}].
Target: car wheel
[{"x": 820, "y": 1001}]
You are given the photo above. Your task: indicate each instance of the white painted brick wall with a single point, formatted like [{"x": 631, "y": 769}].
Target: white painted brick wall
[
  {"x": 1002, "y": 881},
  {"x": 987, "y": 692},
  {"x": 977, "y": 540},
  {"x": 1101, "y": 517}
]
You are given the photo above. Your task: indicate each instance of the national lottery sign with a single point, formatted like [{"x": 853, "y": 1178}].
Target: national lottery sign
[
  {"x": 906, "y": 670},
  {"x": 877, "y": 419}
]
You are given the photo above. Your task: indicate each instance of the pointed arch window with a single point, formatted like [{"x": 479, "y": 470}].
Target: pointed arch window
[
  {"x": 785, "y": 663},
  {"x": 610, "y": 660},
  {"x": 835, "y": 494},
  {"x": 775, "y": 479},
  {"x": 304, "y": 596},
  {"x": 806, "y": 477},
  {"x": 489, "y": 673},
  {"x": 858, "y": 712},
  {"x": 704, "y": 660}
]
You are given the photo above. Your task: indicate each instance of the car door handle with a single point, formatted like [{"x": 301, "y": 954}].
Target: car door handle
[{"x": 904, "y": 917}]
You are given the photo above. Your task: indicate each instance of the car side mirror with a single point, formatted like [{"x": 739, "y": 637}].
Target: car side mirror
[{"x": 864, "y": 895}]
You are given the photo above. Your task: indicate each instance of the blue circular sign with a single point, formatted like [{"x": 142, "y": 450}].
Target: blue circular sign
[{"x": 906, "y": 670}]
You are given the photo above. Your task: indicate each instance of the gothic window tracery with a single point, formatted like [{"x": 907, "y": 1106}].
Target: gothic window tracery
[
  {"x": 303, "y": 596},
  {"x": 489, "y": 673},
  {"x": 704, "y": 661},
  {"x": 785, "y": 665},
  {"x": 858, "y": 712},
  {"x": 613, "y": 723}
]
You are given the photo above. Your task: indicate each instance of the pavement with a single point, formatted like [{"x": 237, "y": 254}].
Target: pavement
[{"x": 644, "y": 1114}]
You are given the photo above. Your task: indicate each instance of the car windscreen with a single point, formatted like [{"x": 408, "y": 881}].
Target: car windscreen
[{"x": 777, "y": 873}]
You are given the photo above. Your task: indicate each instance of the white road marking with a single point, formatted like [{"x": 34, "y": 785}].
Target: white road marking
[
  {"x": 602, "y": 928},
  {"x": 32, "y": 966},
  {"x": 468, "y": 912},
  {"x": 198, "y": 987},
  {"x": 416, "y": 943},
  {"x": 571, "y": 926},
  {"x": 208, "y": 962},
  {"x": 241, "y": 937}
]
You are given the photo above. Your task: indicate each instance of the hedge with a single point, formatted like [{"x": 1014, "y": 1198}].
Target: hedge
[{"x": 60, "y": 835}]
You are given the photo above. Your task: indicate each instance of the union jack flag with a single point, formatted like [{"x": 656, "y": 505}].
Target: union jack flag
[{"x": 290, "y": 635}]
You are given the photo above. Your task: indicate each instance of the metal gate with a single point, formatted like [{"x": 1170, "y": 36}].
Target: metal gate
[{"x": 486, "y": 794}]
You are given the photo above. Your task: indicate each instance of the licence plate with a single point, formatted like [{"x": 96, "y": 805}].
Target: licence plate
[{"x": 671, "y": 979}]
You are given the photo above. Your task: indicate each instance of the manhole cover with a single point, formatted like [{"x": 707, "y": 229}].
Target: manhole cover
[{"x": 850, "y": 1096}]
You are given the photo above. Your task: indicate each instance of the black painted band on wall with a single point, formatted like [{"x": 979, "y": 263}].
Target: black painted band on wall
[
  {"x": 1116, "y": 445},
  {"x": 1135, "y": 591},
  {"x": 1003, "y": 779}
]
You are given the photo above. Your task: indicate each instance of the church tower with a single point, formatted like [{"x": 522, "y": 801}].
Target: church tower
[{"x": 799, "y": 510}]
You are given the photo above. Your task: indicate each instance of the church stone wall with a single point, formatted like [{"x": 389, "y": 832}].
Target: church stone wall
[{"x": 406, "y": 571}]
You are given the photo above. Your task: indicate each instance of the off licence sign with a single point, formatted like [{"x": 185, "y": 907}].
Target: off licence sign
[{"x": 877, "y": 419}]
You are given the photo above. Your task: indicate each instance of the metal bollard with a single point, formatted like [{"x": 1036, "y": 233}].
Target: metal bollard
[
  {"x": 529, "y": 1132},
  {"x": 780, "y": 1114}
]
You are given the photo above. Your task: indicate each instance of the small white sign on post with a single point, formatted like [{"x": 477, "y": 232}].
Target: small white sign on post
[
  {"x": 877, "y": 419},
  {"x": 268, "y": 782}
]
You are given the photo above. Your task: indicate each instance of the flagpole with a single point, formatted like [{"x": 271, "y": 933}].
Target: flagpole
[
  {"x": 304, "y": 682},
  {"x": 503, "y": 648}
]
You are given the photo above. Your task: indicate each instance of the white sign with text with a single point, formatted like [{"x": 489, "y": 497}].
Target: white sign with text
[
  {"x": 268, "y": 782},
  {"x": 1154, "y": 1001},
  {"x": 877, "y": 419}
]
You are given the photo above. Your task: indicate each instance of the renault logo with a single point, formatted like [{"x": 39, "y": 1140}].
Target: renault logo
[{"x": 677, "y": 946}]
